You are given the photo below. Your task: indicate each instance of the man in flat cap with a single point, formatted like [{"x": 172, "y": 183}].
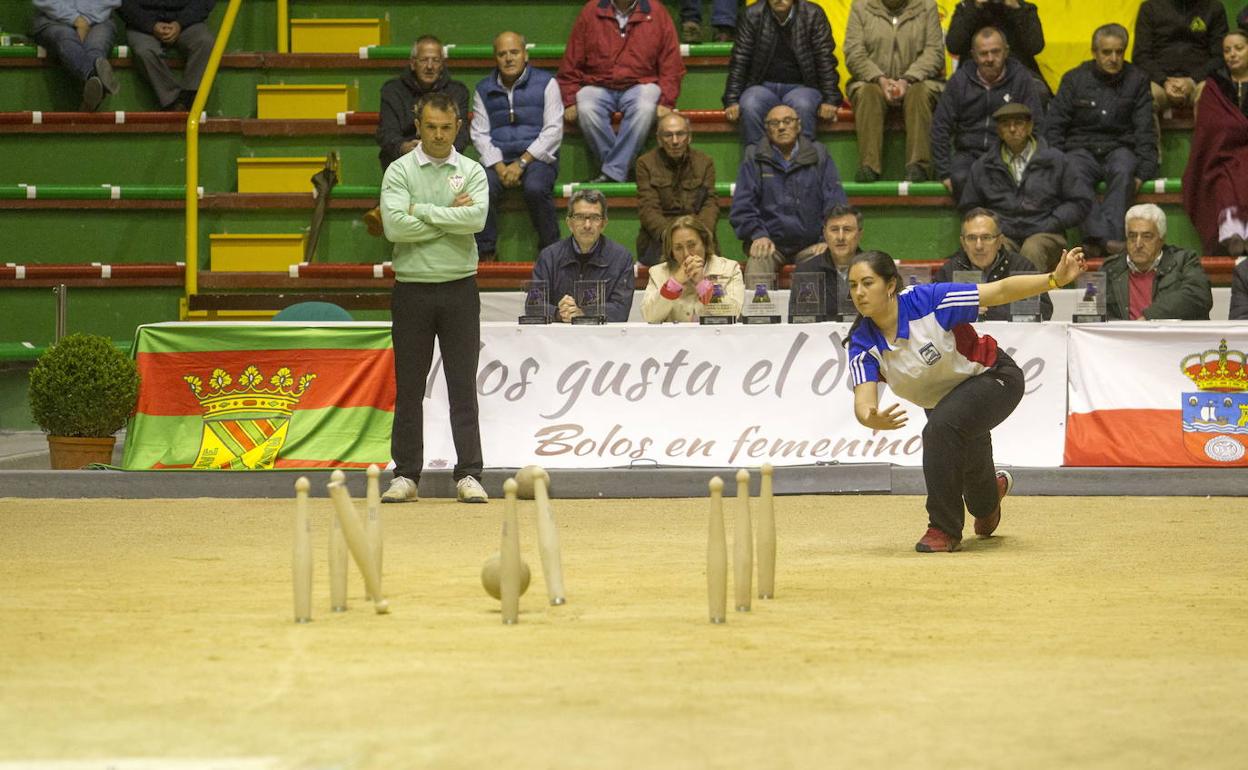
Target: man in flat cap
[{"x": 1034, "y": 192}]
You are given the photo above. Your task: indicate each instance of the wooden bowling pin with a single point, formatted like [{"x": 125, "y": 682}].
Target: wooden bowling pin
[
  {"x": 509, "y": 570},
  {"x": 301, "y": 563},
  {"x": 766, "y": 536},
  {"x": 743, "y": 545},
  {"x": 716, "y": 554}
]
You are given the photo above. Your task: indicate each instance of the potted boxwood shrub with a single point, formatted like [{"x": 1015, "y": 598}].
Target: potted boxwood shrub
[{"x": 82, "y": 391}]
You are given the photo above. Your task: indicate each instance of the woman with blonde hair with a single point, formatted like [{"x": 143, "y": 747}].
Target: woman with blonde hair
[{"x": 691, "y": 279}]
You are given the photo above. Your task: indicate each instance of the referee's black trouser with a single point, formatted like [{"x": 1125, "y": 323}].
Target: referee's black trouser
[
  {"x": 451, "y": 313},
  {"x": 957, "y": 445}
]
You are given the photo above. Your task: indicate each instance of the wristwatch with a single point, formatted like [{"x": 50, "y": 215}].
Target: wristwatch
[
  {"x": 523, "y": 164},
  {"x": 1053, "y": 284}
]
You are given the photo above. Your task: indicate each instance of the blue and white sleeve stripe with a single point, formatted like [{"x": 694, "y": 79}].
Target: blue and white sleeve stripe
[{"x": 864, "y": 368}]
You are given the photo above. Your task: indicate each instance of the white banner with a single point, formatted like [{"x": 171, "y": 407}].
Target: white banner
[{"x": 610, "y": 396}]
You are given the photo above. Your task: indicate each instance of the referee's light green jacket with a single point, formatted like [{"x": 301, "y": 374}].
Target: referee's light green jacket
[{"x": 433, "y": 240}]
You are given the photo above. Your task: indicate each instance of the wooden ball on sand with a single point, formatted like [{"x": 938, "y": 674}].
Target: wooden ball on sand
[
  {"x": 524, "y": 480},
  {"x": 489, "y": 576}
]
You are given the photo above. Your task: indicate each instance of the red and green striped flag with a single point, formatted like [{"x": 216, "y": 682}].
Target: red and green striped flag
[{"x": 247, "y": 396}]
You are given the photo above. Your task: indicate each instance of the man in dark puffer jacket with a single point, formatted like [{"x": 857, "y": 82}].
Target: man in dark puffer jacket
[{"x": 784, "y": 54}]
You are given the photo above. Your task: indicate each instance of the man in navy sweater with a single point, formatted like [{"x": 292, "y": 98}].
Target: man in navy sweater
[{"x": 152, "y": 26}]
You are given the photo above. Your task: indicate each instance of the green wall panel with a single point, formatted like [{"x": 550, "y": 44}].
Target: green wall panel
[{"x": 29, "y": 315}]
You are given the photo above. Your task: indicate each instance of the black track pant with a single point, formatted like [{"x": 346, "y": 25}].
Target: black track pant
[
  {"x": 450, "y": 313},
  {"x": 957, "y": 445}
]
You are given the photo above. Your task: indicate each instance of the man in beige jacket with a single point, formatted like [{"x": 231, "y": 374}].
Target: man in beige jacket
[{"x": 895, "y": 53}]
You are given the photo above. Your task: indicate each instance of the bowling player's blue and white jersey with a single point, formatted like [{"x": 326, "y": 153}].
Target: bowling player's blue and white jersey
[{"x": 936, "y": 346}]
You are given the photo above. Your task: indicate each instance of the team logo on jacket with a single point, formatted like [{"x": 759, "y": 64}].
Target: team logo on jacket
[
  {"x": 1215, "y": 417},
  {"x": 929, "y": 353},
  {"x": 457, "y": 183}
]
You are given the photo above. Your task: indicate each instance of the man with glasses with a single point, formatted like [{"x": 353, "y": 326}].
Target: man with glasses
[
  {"x": 673, "y": 180},
  {"x": 622, "y": 56},
  {"x": 397, "y": 129},
  {"x": 1154, "y": 280},
  {"x": 587, "y": 255},
  {"x": 984, "y": 249},
  {"x": 784, "y": 54},
  {"x": 1036, "y": 194},
  {"x": 517, "y": 127},
  {"x": 786, "y": 185}
]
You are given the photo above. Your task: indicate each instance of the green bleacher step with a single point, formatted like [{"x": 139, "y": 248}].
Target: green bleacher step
[
  {"x": 99, "y": 192},
  {"x": 536, "y": 51}
]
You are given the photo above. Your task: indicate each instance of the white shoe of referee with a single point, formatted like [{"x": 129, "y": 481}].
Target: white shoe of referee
[
  {"x": 402, "y": 490},
  {"x": 469, "y": 490}
]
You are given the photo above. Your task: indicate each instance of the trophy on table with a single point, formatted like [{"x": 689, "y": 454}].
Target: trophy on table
[
  {"x": 591, "y": 298},
  {"x": 536, "y": 303},
  {"x": 913, "y": 275},
  {"x": 760, "y": 304},
  {"x": 1090, "y": 305},
  {"x": 807, "y": 299},
  {"x": 1026, "y": 310},
  {"x": 972, "y": 277},
  {"x": 845, "y": 310},
  {"x": 718, "y": 311}
]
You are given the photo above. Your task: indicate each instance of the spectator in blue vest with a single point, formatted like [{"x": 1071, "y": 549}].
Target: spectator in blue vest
[
  {"x": 587, "y": 255},
  {"x": 517, "y": 127},
  {"x": 79, "y": 33}
]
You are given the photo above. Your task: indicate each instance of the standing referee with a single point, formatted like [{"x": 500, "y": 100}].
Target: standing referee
[{"x": 433, "y": 202}]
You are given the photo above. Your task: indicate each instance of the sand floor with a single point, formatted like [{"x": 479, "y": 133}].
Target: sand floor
[{"x": 1104, "y": 632}]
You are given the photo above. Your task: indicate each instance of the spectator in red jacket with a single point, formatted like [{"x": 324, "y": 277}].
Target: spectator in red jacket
[{"x": 622, "y": 56}]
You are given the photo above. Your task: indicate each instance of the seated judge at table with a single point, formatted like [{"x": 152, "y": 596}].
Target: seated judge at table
[
  {"x": 586, "y": 255},
  {"x": 687, "y": 282}
]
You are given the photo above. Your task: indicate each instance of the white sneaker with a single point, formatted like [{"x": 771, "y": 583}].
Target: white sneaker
[
  {"x": 469, "y": 491},
  {"x": 402, "y": 490}
]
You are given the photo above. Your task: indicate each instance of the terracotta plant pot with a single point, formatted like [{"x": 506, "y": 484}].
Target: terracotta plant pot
[{"x": 72, "y": 452}]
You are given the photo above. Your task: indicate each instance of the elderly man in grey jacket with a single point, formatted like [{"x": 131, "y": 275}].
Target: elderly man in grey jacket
[{"x": 896, "y": 57}]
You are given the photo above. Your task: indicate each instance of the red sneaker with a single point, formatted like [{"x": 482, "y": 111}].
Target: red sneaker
[
  {"x": 937, "y": 541},
  {"x": 986, "y": 525}
]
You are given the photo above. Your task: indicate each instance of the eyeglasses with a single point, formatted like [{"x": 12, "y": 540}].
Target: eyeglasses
[
  {"x": 776, "y": 123},
  {"x": 976, "y": 238},
  {"x": 591, "y": 219},
  {"x": 673, "y": 134}
]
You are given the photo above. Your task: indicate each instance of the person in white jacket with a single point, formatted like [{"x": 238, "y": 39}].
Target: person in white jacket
[{"x": 691, "y": 278}]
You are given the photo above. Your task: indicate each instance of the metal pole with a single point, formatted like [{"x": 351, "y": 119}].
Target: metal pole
[{"x": 62, "y": 299}]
